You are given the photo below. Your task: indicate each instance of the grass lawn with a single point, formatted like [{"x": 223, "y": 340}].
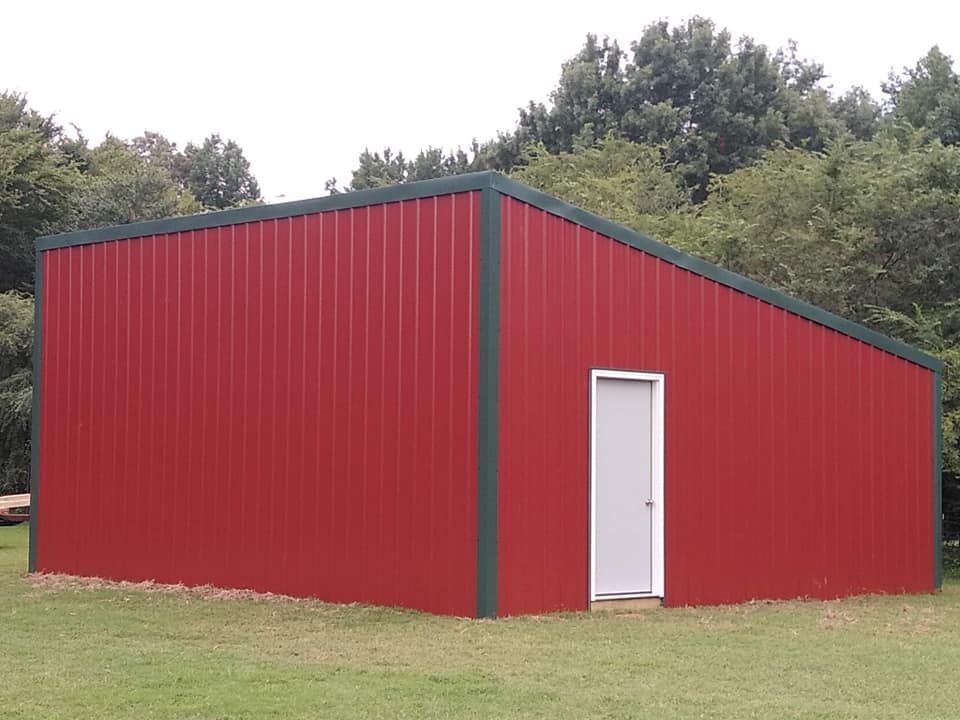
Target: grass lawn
[{"x": 72, "y": 652}]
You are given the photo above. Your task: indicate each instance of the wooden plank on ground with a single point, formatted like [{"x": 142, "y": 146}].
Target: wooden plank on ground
[{"x": 14, "y": 501}]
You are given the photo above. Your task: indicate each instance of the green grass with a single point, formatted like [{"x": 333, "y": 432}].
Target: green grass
[{"x": 72, "y": 652}]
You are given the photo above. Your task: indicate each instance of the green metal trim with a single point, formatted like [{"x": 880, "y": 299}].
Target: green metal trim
[
  {"x": 343, "y": 201},
  {"x": 708, "y": 270},
  {"x": 937, "y": 481},
  {"x": 35, "y": 412},
  {"x": 487, "y": 403}
]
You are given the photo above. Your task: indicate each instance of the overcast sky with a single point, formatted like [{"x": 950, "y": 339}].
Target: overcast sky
[{"x": 304, "y": 87}]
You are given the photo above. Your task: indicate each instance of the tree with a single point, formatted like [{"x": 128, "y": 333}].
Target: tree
[
  {"x": 615, "y": 178},
  {"x": 928, "y": 96},
  {"x": 861, "y": 225},
  {"x": 710, "y": 104},
  {"x": 714, "y": 106},
  {"x": 38, "y": 183},
  {"x": 156, "y": 150},
  {"x": 503, "y": 152},
  {"x": 433, "y": 162},
  {"x": 14, "y": 114},
  {"x": 218, "y": 174},
  {"x": 858, "y": 112},
  {"x": 377, "y": 169},
  {"x": 122, "y": 186},
  {"x": 587, "y": 103},
  {"x": 16, "y": 349}
]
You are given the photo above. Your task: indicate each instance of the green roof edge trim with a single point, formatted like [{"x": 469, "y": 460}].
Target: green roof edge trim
[
  {"x": 255, "y": 213},
  {"x": 701, "y": 267},
  {"x": 518, "y": 191}
]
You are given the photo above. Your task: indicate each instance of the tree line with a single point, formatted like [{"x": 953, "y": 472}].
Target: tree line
[{"x": 710, "y": 105}]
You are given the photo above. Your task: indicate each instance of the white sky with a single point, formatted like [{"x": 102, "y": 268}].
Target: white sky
[{"x": 305, "y": 86}]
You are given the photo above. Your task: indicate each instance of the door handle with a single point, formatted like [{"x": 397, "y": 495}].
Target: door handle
[{"x": 649, "y": 502}]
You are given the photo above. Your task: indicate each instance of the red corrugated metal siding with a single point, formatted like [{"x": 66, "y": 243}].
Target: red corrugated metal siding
[
  {"x": 287, "y": 405},
  {"x": 797, "y": 459}
]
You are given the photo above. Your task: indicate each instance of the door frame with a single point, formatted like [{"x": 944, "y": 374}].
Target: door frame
[{"x": 657, "y": 540}]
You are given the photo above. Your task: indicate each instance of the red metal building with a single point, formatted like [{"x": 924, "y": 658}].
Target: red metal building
[{"x": 467, "y": 397}]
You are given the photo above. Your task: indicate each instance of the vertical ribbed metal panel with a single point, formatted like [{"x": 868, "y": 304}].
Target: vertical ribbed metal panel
[
  {"x": 797, "y": 459},
  {"x": 287, "y": 405}
]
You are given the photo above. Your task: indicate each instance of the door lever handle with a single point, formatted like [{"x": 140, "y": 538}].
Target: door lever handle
[{"x": 649, "y": 502}]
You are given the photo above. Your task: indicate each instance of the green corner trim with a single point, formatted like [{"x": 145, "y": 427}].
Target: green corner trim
[
  {"x": 487, "y": 403},
  {"x": 937, "y": 481},
  {"x": 35, "y": 412}
]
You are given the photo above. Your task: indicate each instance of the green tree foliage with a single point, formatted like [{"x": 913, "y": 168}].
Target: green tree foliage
[
  {"x": 616, "y": 179},
  {"x": 588, "y": 104},
  {"x": 377, "y": 169},
  {"x": 928, "y": 96},
  {"x": 122, "y": 186},
  {"x": 215, "y": 173},
  {"x": 858, "y": 112},
  {"x": 38, "y": 183},
  {"x": 157, "y": 151},
  {"x": 16, "y": 348},
  {"x": 713, "y": 104},
  {"x": 218, "y": 174},
  {"x": 862, "y": 224}
]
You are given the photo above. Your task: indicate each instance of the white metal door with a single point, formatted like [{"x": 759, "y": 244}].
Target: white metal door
[{"x": 626, "y": 484}]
